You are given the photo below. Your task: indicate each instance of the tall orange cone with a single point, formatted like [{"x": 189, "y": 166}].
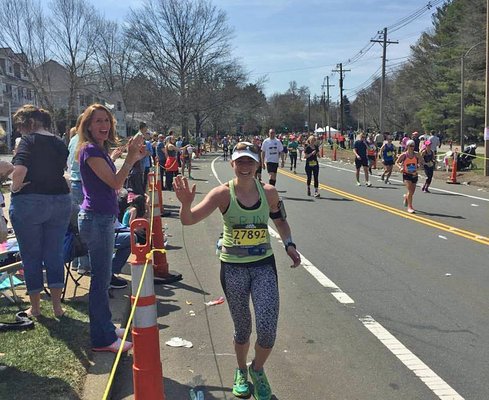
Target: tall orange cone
[
  {"x": 147, "y": 369},
  {"x": 453, "y": 176},
  {"x": 160, "y": 263}
]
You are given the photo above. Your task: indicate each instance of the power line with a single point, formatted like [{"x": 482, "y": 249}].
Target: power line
[{"x": 412, "y": 17}]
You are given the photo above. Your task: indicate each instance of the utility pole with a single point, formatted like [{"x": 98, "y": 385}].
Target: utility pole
[
  {"x": 328, "y": 119},
  {"x": 341, "y": 71},
  {"x": 364, "y": 109},
  {"x": 486, "y": 125},
  {"x": 384, "y": 42},
  {"x": 309, "y": 114}
]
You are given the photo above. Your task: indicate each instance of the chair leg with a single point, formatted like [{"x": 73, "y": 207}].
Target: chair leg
[{"x": 76, "y": 281}]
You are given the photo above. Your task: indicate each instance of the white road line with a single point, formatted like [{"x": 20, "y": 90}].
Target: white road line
[
  {"x": 399, "y": 181},
  {"x": 437, "y": 385}
]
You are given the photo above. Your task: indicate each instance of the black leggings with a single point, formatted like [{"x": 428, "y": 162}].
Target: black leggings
[
  {"x": 169, "y": 175},
  {"x": 293, "y": 160},
  {"x": 310, "y": 171},
  {"x": 429, "y": 174}
]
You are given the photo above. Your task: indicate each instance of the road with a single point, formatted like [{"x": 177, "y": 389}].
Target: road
[{"x": 422, "y": 277}]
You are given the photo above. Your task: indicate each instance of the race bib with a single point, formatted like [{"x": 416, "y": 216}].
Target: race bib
[
  {"x": 411, "y": 168},
  {"x": 389, "y": 154},
  {"x": 313, "y": 163},
  {"x": 249, "y": 235}
]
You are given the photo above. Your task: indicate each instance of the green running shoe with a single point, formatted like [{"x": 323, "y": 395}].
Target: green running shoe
[
  {"x": 241, "y": 387},
  {"x": 262, "y": 390}
]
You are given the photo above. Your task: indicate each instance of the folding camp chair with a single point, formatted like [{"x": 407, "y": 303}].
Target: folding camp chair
[
  {"x": 9, "y": 267},
  {"x": 73, "y": 247}
]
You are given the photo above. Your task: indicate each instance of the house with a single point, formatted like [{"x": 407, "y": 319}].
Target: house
[
  {"x": 16, "y": 89},
  {"x": 56, "y": 83}
]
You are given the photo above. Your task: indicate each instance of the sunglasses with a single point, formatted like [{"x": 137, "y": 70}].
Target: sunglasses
[{"x": 247, "y": 146}]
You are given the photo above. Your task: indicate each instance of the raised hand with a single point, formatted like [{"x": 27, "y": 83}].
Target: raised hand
[{"x": 184, "y": 193}]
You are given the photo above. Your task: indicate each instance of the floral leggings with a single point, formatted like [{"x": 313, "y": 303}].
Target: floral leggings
[{"x": 258, "y": 280}]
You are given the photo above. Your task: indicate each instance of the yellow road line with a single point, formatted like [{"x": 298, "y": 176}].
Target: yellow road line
[{"x": 403, "y": 214}]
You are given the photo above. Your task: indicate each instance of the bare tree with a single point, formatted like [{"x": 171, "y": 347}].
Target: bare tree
[
  {"x": 24, "y": 31},
  {"x": 173, "y": 36},
  {"x": 74, "y": 30},
  {"x": 114, "y": 56}
]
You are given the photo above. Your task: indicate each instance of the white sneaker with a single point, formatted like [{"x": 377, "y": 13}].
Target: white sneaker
[
  {"x": 358, "y": 183},
  {"x": 368, "y": 184}
]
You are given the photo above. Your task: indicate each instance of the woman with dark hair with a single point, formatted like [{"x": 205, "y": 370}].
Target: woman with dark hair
[
  {"x": 98, "y": 214},
  {"x": 40, "y": 205}
]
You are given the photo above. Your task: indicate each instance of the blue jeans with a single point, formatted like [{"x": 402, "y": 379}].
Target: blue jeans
[
  {"x": 40, "y": 222},
  {"x": 77, "y": 198},
  {"x": 97, "y": 231},
  {"x": 122, "y": 252}
]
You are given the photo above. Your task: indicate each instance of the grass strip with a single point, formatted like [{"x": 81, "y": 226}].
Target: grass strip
[{"x": 49, "y": 361}]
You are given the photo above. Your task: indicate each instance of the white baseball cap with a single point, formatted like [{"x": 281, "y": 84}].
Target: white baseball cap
[{"x": 246, "y": 149}]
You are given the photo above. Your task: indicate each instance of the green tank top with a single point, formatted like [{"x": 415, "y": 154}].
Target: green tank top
[{"x": 245, "y": 228}]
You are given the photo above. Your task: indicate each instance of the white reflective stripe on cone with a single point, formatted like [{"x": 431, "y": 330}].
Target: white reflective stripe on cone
[
  {"x": 145, "y": 316},
  {"x": 148, "y": 288}
]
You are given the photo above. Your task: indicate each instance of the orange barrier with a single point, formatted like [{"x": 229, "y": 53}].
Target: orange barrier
[
  {"x": 160, "y": 263},
  {"x": 147, "y": 369},
  {"x": 453, "y": 176}
]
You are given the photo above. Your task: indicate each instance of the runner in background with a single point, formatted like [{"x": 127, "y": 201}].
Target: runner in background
[
  {"x": 387, "y": 152},
  {"x": 429, "y": 161},
  {"x": 408, "y": 162},
  {"x": 225, "y": 147},
  {"x": 371, "y": 152},
  {"x": 248, "y": 266},
  {"x": 293, "y": 146},
  {"x": 285, "y": 145},
  {"x": 361, "y": 161},
  {"x": 311, "y": 153},
  {"x": 257, "y": 142},
  {"x": 270, "y": 152}
]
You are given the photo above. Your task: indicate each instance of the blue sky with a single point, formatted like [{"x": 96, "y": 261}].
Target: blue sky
[{"x": 304, "y": 40}]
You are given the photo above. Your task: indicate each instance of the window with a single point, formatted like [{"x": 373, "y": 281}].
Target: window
[
  {"x": 119, "y": 106},
  {"x": 2, "y": 65},
  {"x": 17, "y": 70}
]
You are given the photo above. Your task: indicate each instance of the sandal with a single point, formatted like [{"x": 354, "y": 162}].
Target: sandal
[
  {"x": 114, "y": 347},
  {"x": 17, "y": 325}
]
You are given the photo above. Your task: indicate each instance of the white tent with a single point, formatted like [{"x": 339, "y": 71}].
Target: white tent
[{"x": 326, "y": 130}]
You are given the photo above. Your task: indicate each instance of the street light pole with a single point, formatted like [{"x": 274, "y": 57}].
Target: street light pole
[{"x": 462, "y": 94}]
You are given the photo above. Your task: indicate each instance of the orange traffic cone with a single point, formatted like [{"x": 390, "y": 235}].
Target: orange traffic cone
[
  {"x": 453, "y": 177},
  {"x": 160, "y": 263},
  {"x": 147, "y": 369}
]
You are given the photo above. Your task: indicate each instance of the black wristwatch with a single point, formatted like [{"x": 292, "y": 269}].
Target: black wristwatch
[{"x": 290, "y": 244}]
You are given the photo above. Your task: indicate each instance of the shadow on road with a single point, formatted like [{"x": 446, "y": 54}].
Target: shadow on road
[{"x": 439, "y": 215}]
